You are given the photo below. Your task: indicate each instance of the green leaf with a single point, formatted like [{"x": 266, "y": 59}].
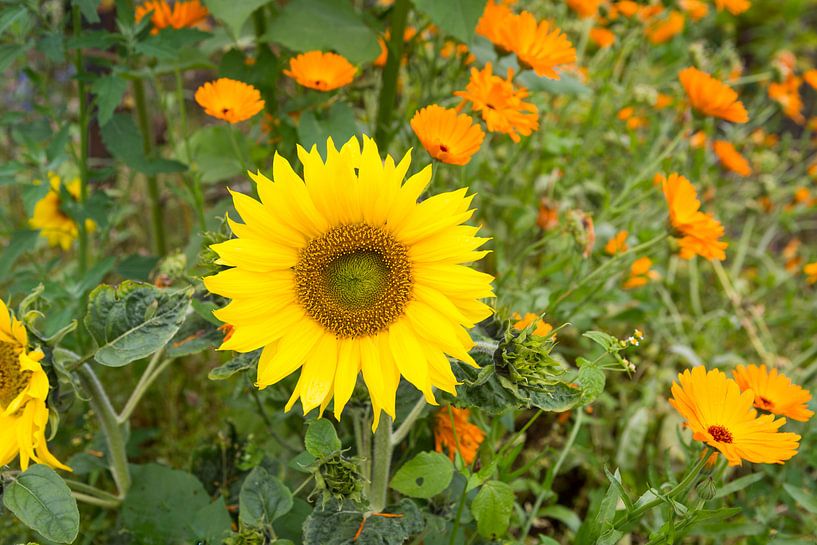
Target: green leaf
[
  {"x": 263, "y": 499},
  {"x": 337, "y": 122},
  {"x": 457, "y": 18},
  {"x": 492, "y": 507},
  {"x": 213, "y": 153},
  {"x": 88, "y": 9},
  {"x": 632, "y": 439},
  {"x": 234, "y": 14},
  {"x": 109, "y": 91},
  {"x": 21, "y": 242},
  {"x": 12, "y": 15},
  {"x": 43, "y": 502},
  {"x": 163, "y": 504},
  {"x": 804, "y": 499},
  {"x": 133, "y": 320},
  {"x": 424, "y": 476},
  {"x": 124, "y": 141},
  {"x": 212, "y": 523},
  {"x": 605, "y": 340},
  {"x": 338, "y": 524},
  {"x": 321, "y": 439},
  {"x": 591, "y": 379},
  {"x": 307, "y": 25},
  {"x": 9, "y": 53},
  {"x": 195, "y": 335},
  {"x": 241, "y": 362},
  {"x": 166, "y": 44},
  {"x": 739, "y": 484}
]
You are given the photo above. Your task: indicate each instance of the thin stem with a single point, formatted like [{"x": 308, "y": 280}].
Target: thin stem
[
  {"x": 403, "y": 430},
  {"x": 381, "y": 465},
  {"x": 486, "y": 347},
  {"x": 458, "y": 516},
  {"x": 195, "y": 182},
  {"x": 114, "y": 437},
  {"x": 89, "y": 490},
  {"x": 93, "y": 500},
  {"x": 388, "y": 90},
  {"x": 302, "y": 485},
  {"x": 156, "y": 213},
  {"x": 152, "y": 372},
  {"x": 83, "y": 144},
  {"x": 519, "y": 433}
]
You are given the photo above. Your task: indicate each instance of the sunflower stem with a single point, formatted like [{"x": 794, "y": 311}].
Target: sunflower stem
[
  {"x": 391, "y": 72},
  {"x": 114, "y": 438},
  {"x": 381, "y": 465},
  {"x": 159, "y": 244},
  {"x": 152, "y": 372}
]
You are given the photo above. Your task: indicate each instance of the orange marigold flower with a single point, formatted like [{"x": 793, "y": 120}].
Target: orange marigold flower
[
  {"x": 641, "y": 273},
  {"x": 735, "y": 7},
  {"x": 540, "y": 46},
  {"x": 548, "y": 216},
  {"x": 453, "y": 432},
  {"x": 602, "y": 37},
  {"x": 700, "y": 232},
  {"x": 696, "y": 9},
  {"x": 712, "y": 97},
  {"x": 774, "y": 391},
  {"x": 409, "y": 33},
  {"x": 810, "y": 270},
  {"x": 446, "y": 135},
  {"x": 698, "y": 140},
  {"x": 722, "y": 417},
  {"x": 230, "y": 100},
  {"x": 802, "y": 195},
  {"x": 321, "y": 71},
  {"x": 663, "y": 101},
  {"x": 492, "y": 21},
  {"x": 664, "y": 30},
  {"x": 811, "y": 77},
  {"x": 617, "y": 244},
  {"x": 181, "y": 15},
  {"x": 646, "y": 13},
  {"x": 627, "y": 8},
  {"x": 542, "y": 328},
  {"x": 501, "y": 104},
  {"x": 787, "y": 94},
  {"x": 730, "y": 158},
  {"x": 586, "y": 9}
]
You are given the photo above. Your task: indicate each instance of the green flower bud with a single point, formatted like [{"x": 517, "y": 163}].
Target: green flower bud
[{"x": 706, "y": 489}]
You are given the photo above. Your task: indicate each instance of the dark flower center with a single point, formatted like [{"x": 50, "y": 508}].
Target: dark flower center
[
  {"x": 13, "y": 379},
  {"x": 720, "y": 434}
]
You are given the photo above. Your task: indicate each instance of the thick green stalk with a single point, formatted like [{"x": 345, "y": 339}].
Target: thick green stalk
[
  {"x": 156, "y": 213},
  {"x": 388, "y": 90},
  {"x": 83, "y": 144},
  {"x": 195, "y": 180},
  {"x": 381, "y": 465},
  {"x": 114, "y": 437}
]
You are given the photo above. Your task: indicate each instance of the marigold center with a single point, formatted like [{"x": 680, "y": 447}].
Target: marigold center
[{"x": 720, "y": 434}]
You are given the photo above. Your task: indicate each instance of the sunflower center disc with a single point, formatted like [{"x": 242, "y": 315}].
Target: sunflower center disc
[
  {"x": 720, "y": 434},
  {"x": 12, "y": 379},
  {"x": 354, "y": 280}
]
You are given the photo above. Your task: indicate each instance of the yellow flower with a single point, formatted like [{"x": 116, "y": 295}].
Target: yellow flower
[
  {"x": 542, "y": 328},
  {"x": 461, "y": 436},
  {"x": 730, "y": 158},
  {"x": 722, "y": 417},
  {"x": 183, "y": 14},
  {"x": 321, "y": 71},
  {"x": 700, "y": 232},
  {"x": 54, "y": 225},
  {"x": 343, "y": 271},
  {"x": 774, "y": 391},
  {"x": 446, "y": 135},
  {"x": 617, "y": 244},
  {"x": 641, "y": 273},
  {"x": 23, "y": 391},
  {"x": 540, "y": 46},
  {"x": 230, "y": 100},
  {"x": 712, "y": 97},
  {"x": 501, "y": 103}
]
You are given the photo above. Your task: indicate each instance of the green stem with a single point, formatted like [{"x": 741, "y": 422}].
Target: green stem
[
  {"x": 152, "y": 372},
  {"x": 83, "y": 144},
  {"x": 195, "y": 184},
  {"x": 486, "y": 347},
  {"x": 403, "y": 430},
  {"x": 156, "y": 213},
  {"x": 115, "y": 439},
  {"x": 93, "y": 500},
  {"x": 237, "y": 150},
  {"x": 388, "y": 90},
  {"x": 381, "y": 465},
  {"x": 93, "y": 495}
]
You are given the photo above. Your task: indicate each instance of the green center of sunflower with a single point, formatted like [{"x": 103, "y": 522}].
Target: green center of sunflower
[
  {"x": 354, "y": 280},
  {"x": 13, "y": 379},
  {"x": 720, "y": 434}
]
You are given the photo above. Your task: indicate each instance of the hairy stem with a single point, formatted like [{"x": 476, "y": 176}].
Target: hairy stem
[
  {"x": 388, "y": 90},
  {"x": 156, "y": 212},
  {"x": 381, "y": 465}
]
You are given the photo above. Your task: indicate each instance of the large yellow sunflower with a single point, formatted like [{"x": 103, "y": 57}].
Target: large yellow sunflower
[
  {"x": 343, "y": 271},
  {"x": 23, "y": 389}
]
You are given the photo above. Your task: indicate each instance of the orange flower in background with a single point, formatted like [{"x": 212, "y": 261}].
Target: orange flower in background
[
  {"x": 663, "y": 101},
  {"x": 602, "y": 37},
  {"x": 646, "y": 13},
  {"x": 230, "y": 100},
  {"x": 451, "y": 48},
  {"x": 181, "y": 15},
  {"x": 731, "y": 159},
  {"x": 735, "y": 7},
  {"x": 641, "y": 273},
  {"x": 700, "y": 233},
  {"x": 548, "y": 216},
  {"x": 542, "y": 328},
  {"x": 501, "y": 104},
  {"x": 633, "y": 121},
  {"x": 712, "y": 97},
  {"x": 627, "y": 8},
  {"x": 811, "y": 77},
  {"x": 802, "y": 195},
  {"x": 453, "y": 432},
  {"x": 409, "y": 33},
  {"x": 585, "y": 8},
  {"x": 774, "y": 391},
  {"x": 810, "y": 270},
  {"x": 492, "y": 21},
  {"x": 446, "y": 135},
  {"x": 789, "y": 253},
  {"x": 698, "y": 140},
  {"x": 696, "y": 9},
  {"x": 721, "y": 416},
  {"x": 540, "y": 46},
  {"x": 663, "y": 31},
  {"x": 787, "y": 94},
  {"x": 617, "y": 244},
  {"x": 321, "y": 71}
]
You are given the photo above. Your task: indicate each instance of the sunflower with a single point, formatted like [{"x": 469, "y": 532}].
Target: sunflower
[
  {"x": 602, "y": 37},
  {"x": 617, "y": 244},
  {"x": 586, "y": 9},
  {"x": 722, "y": 417},
  {"x": 446, "y": 135},
  {"x": 23, "y": 391},
  {"x": 663, "y": 31},
  {"x": 542, "y": 328},
  {"x": 181, "y": 15},
  {"x": 641, "y": 273},
  {"x": 712, "y": 97},
  {"x": 230, "y": 100},
  {"x": 540, "y": 46},
  {"x": 730, "y": 158},
  {"x": 700, "y": 232},
  {"x": 501, "y": 103},
  {"x": 321, "y": 71},
  {"x": 453, "y": 432},
  {"x": 54, "y": 224},
  {"x": 343, "y": 271},
  {"x": 493, "y": 19},
  {"x": 774, "y": 391},
  {"x": 735, "y": 7}
]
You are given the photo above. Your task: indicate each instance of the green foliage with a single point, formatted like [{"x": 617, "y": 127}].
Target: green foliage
[
  {"x": 124, "y": 141},
  {"x": 338, "y": 523},
  {"x": 321, "y": 439},
  {"x": 492, "y": 508},
  {"x": 43, "y": 502},
  {"x": 263, "y": 499},
  {"x": 457, "y": 18},
  {"x": 234, "y": 14},
  {"x": 424, "y": 476},
  {"x": 238, "y": 364}
]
